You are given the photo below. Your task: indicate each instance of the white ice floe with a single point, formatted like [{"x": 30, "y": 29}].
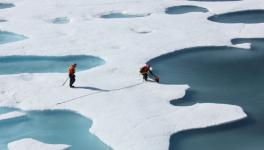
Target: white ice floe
[
  {"x": 127, "y": 114},
  {"x": 244, "y": 45},
  {"x": 31, "y": 144},
  {"x": 12, "y": 115}
]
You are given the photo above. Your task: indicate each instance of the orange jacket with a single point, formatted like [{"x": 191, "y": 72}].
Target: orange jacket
[
  {"x": 71, "y": 70},
  {"x": 144, "y": 70}
]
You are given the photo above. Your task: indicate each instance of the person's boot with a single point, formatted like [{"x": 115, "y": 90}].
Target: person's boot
[{"x": 145, "y": 77}]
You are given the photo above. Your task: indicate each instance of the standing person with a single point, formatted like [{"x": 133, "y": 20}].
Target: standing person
[
  {"x": 72, "y": 74},
  {"x": 145, "y": 71}
]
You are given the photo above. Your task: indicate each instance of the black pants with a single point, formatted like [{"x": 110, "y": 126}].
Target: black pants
[
  {"x": 72, "y": 80},
  {"x": 145, "y": 76}
]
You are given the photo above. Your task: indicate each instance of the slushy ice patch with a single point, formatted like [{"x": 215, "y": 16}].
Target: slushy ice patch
[
  {"x": 184, "y": 9},
  {"x": 46, "y": 64}
]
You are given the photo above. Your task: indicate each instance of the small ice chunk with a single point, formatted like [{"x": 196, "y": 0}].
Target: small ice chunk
[
  {"x": 12, "y": 115},
  {"x": 31, "y": 144},
  {"x": 243, "y": 45}
]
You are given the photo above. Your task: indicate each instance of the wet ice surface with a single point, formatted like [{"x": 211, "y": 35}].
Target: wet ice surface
[
  {"x": 246, "y": 16},
  {"x": 4, "y": 110},
  {"x": 61, "y": 20},
  {"x": 121, "y": 15},
  {"x": 219, "y": 75},
  {"x": 53, "y": 127},
  {"x": 6, "y": 5},
  {"x": 46, "y": 64},
  {"x": 185, "y": 9},
  {"x": 6, "y": 37}
]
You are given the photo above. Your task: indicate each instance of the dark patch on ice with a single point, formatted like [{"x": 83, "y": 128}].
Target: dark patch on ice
[
  {"x": 6, "y": 5},
  {"x": 254, "y": 41},
  {"x": 90, "y": 88},
  {"x": 6, "y": 37},
  {"x": 61, "y": 20},
  {"x": 244, "y": 16},
  {"x": 122, "y": 15},
  {"x": 141, "y": 31},
  {"x": 185, "y": 9}
]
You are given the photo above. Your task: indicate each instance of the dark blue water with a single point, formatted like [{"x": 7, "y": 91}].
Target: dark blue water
[
  {"x": 121, "y": 15},
  {"x": 6, "y": 37},
  {"x": 53, "y": 127},
  {"x": 184, "y": 9},
  {"x": 219, "y": 75},
  {"x": 246, "y": 16},
  {"x": 6, "y": 5},
  {"x": 46, "y": 64}
]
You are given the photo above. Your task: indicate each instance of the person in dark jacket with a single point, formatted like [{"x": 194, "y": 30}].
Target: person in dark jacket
[{"x": 72, "y": 74}]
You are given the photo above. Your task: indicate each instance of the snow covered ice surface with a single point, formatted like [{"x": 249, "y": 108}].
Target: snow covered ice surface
[
  {"x": 23, "y": 144},
  {"x": 138, "y": 115}
]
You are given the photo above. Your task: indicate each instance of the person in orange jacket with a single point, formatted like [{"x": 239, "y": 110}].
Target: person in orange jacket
[
  {"x": 72, "y": 74},
  {"x": 145, "y": 71}
]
